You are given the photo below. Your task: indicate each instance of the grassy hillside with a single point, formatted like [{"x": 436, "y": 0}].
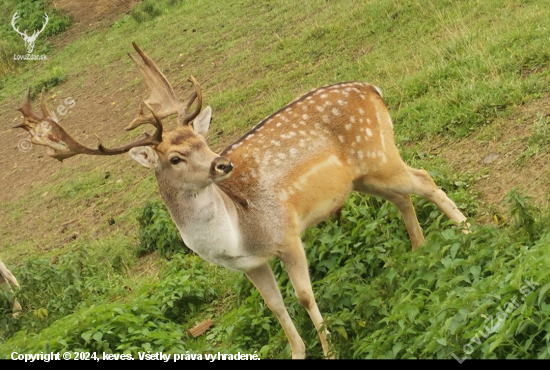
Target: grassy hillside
[{"x": 447, "y": 68}]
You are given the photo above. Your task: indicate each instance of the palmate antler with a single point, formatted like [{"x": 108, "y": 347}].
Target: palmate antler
[
  {"x": 46, "y": 131},
  {"x": 59, "y": 144},
  {"x": 162, "y": 96}
]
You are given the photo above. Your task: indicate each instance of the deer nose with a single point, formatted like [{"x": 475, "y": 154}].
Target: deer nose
[{"x": 222, "y": 166}]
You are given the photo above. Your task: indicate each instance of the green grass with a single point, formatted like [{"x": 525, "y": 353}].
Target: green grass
[{"x": 446, "y": 68}]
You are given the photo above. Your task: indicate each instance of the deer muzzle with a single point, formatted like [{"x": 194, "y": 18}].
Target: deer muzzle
[{"x": 221, "y": 167}]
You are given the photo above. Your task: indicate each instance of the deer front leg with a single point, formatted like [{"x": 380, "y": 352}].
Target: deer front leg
[
  {"x": 263, "y": 279},
  {"x": 295, "y": 262}
]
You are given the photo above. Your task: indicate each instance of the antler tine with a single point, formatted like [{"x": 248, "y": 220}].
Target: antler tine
[
  {"x": 60, "y": 145},
  {"x": 197, "y": 94},
  {"x": 158, "y": 124}
]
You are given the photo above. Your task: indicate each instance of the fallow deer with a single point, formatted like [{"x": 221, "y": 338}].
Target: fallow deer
[
  {"x": 7, "y": 280},
  {"x": 252, "y": 202}
]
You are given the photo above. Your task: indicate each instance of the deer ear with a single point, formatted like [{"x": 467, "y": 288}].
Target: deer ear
[
  {"x": 202, "y": 122},
  {"x": 146, "y": 156}
]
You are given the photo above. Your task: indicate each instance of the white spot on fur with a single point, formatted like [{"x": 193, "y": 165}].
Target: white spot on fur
[
  {"x": 278, "y": 124},
  {"x": 305, "y": 116},
  {"x": 336, "y": 112},
  {"x": 352, "y": 119},
  {"x": 329, "y": 162},
  {"x": 348, "y": 126},
  {"x": 293, "y": 152},
  {"x": 360, "y": 154},
  {"x": 369, "y": 132},
  {"x": 341, "y": 138},
  {"x": 361, "y": 111},
  {"x": 340, "y": 101},
  {"x": 319, "y": 108},
  {"x": 323, "y": 96},
  {"x": 281, "y": 155},
  {"x": 358, "y": 138},
  {"x": 326, "y": 119},
  {"x": 275, "y": 142}
]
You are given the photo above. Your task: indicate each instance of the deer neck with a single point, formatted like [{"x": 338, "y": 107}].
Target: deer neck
[
  {"x": 206, "y": 206},
  {"x": 208, "y": 223}
]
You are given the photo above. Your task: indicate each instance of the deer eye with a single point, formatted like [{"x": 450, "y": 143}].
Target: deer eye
[{"x": 176, "y": 160}]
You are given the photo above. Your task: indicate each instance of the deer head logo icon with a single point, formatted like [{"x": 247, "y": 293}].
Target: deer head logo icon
[{"x": 29, "y": 40}]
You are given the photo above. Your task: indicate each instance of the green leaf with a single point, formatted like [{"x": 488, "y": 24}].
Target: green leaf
[
  {"x": 342, "y": 331},
  {"x": 97, "y": 336}
]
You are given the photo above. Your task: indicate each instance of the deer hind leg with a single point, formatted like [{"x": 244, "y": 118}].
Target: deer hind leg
[
  {"x": 401, "y": 201},
  {"x": 263, "y": 279},
  {"x": 423, "y": 185},
  {"x": 295, "y": 262}
]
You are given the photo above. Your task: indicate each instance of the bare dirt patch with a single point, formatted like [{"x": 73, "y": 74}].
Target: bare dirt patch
[
  {"x": 493, "y": 154},
  {"x": 90, "y": 15}
]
